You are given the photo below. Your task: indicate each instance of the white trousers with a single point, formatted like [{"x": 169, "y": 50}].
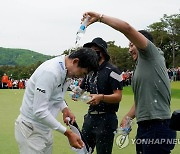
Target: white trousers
[{"x": 32, "y": 140}]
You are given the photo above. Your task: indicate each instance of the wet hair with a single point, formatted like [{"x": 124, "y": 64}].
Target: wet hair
[
  {"x": 147, "y": 35},
  {"x": 87, "y": 58}
]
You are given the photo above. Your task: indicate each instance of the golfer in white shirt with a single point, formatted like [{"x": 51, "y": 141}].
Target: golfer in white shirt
[{"x": 44, "y": 98}]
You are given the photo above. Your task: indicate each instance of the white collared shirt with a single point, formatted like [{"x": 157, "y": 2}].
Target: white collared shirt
[{"x": 44, "y": 95}]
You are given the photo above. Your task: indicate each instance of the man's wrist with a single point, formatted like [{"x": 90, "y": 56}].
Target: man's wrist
[
  {"x": 129, "y": 115},
  {"x": 102, "y": 97},
  {"x": 100, "y": 17},
  {"x": 67, "y": 132},
  {"x": 65, "y": 109}
]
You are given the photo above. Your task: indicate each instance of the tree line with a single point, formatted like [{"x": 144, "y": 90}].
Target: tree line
[{"x": 166, "y": 35}]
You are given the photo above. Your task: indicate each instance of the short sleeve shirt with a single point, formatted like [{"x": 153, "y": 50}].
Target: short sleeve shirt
[
  {"x": 151, "y": 85},
  {"x": 105, "y": 81}
]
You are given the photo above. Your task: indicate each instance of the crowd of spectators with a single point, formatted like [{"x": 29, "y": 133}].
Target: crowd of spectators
[
  {"x": 127, "y": 77},
  {"x": 10, "y": 83},
  {"x": 174, "y": 74}
]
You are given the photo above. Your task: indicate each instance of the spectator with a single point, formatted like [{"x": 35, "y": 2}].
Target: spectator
[
  {"x": 4, "y": 81},
  {"x": 10, "y": 83},
  {"x": 20, "y": 84}
]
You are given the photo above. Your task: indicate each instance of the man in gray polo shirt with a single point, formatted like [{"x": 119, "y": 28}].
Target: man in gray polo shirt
[{"x": 151, "y": 87}]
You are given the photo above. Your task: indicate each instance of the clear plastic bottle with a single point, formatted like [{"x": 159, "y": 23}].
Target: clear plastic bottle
[
  {"x": 81, "y": 30},
  {"x": 125, "y": 130},
  {"x": 77, "y": 96},
  {"x": 122, "y": 134},
  {"x": 85, "y": 97}
]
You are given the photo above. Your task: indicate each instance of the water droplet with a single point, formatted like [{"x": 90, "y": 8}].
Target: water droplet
[{"x": 155, "y": 101}]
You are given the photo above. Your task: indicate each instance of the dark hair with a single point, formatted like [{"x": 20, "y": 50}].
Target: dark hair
[
  {"x": 87, "y": 58},
  {"x": 147, "y": 35}
]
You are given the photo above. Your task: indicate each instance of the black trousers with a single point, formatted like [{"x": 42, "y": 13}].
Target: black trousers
[
  {"x": 154, "y": 136},
  {"x": 98, "y": 131}
]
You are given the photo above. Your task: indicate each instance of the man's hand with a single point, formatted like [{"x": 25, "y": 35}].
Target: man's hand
[
  {"x": 67, "y": 113},
  {"x": 123, "y": 122},
  {"x": 93, "y": 17},
  {"x": 130, "y": 114},
  {"x": 74, "y": 139},
  {"x": 96, "y": 98},
  {"x": 126, "y": 121}
]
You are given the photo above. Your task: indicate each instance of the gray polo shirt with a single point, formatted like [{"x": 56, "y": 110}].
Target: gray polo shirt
[{"x": 151, "y": 85}]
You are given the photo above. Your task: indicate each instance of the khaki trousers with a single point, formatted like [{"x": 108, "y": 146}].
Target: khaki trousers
[{"x": 32, "y": 140}]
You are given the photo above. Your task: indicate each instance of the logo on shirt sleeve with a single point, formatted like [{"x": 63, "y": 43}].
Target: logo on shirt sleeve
[
  {"x": 41, "y": 90},
  {"x": 116, "y": 76}
]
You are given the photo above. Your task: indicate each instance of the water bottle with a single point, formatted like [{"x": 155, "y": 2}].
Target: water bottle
[
  {"x": 81, "y": 30},
  {"x": 125, "y": 130},
  {"x": 85, "y": 97},
  {"x": 121, "y": 134}
]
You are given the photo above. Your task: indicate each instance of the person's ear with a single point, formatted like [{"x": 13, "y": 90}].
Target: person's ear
[{"x": 75, "y": 61}]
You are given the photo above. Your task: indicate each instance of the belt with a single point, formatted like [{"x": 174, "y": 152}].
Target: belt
[
  {"x": 97, "y": 112},
  {"x": 153, "y": 121}
]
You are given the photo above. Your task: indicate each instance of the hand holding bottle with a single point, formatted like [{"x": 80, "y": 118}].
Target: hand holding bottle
[
  {"x": 85, "y": 97},
  {"x": 78, "y": 94},
  {"x": 125, "y": 126}
]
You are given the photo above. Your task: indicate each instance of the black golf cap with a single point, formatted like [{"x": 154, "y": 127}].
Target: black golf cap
[{"x": 99, "y": 42}]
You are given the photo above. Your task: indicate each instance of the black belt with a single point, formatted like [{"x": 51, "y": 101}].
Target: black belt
[{"x": 152, "y": 121}]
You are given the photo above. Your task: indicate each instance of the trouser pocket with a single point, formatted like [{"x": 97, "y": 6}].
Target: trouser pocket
[{"x": 26, "y": 128}]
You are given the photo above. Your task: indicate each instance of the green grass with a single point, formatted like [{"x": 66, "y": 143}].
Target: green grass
[{"x": 10, "y": 102}]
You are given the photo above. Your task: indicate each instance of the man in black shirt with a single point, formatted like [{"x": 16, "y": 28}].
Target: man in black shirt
[{"x": 105, "y": 87}]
